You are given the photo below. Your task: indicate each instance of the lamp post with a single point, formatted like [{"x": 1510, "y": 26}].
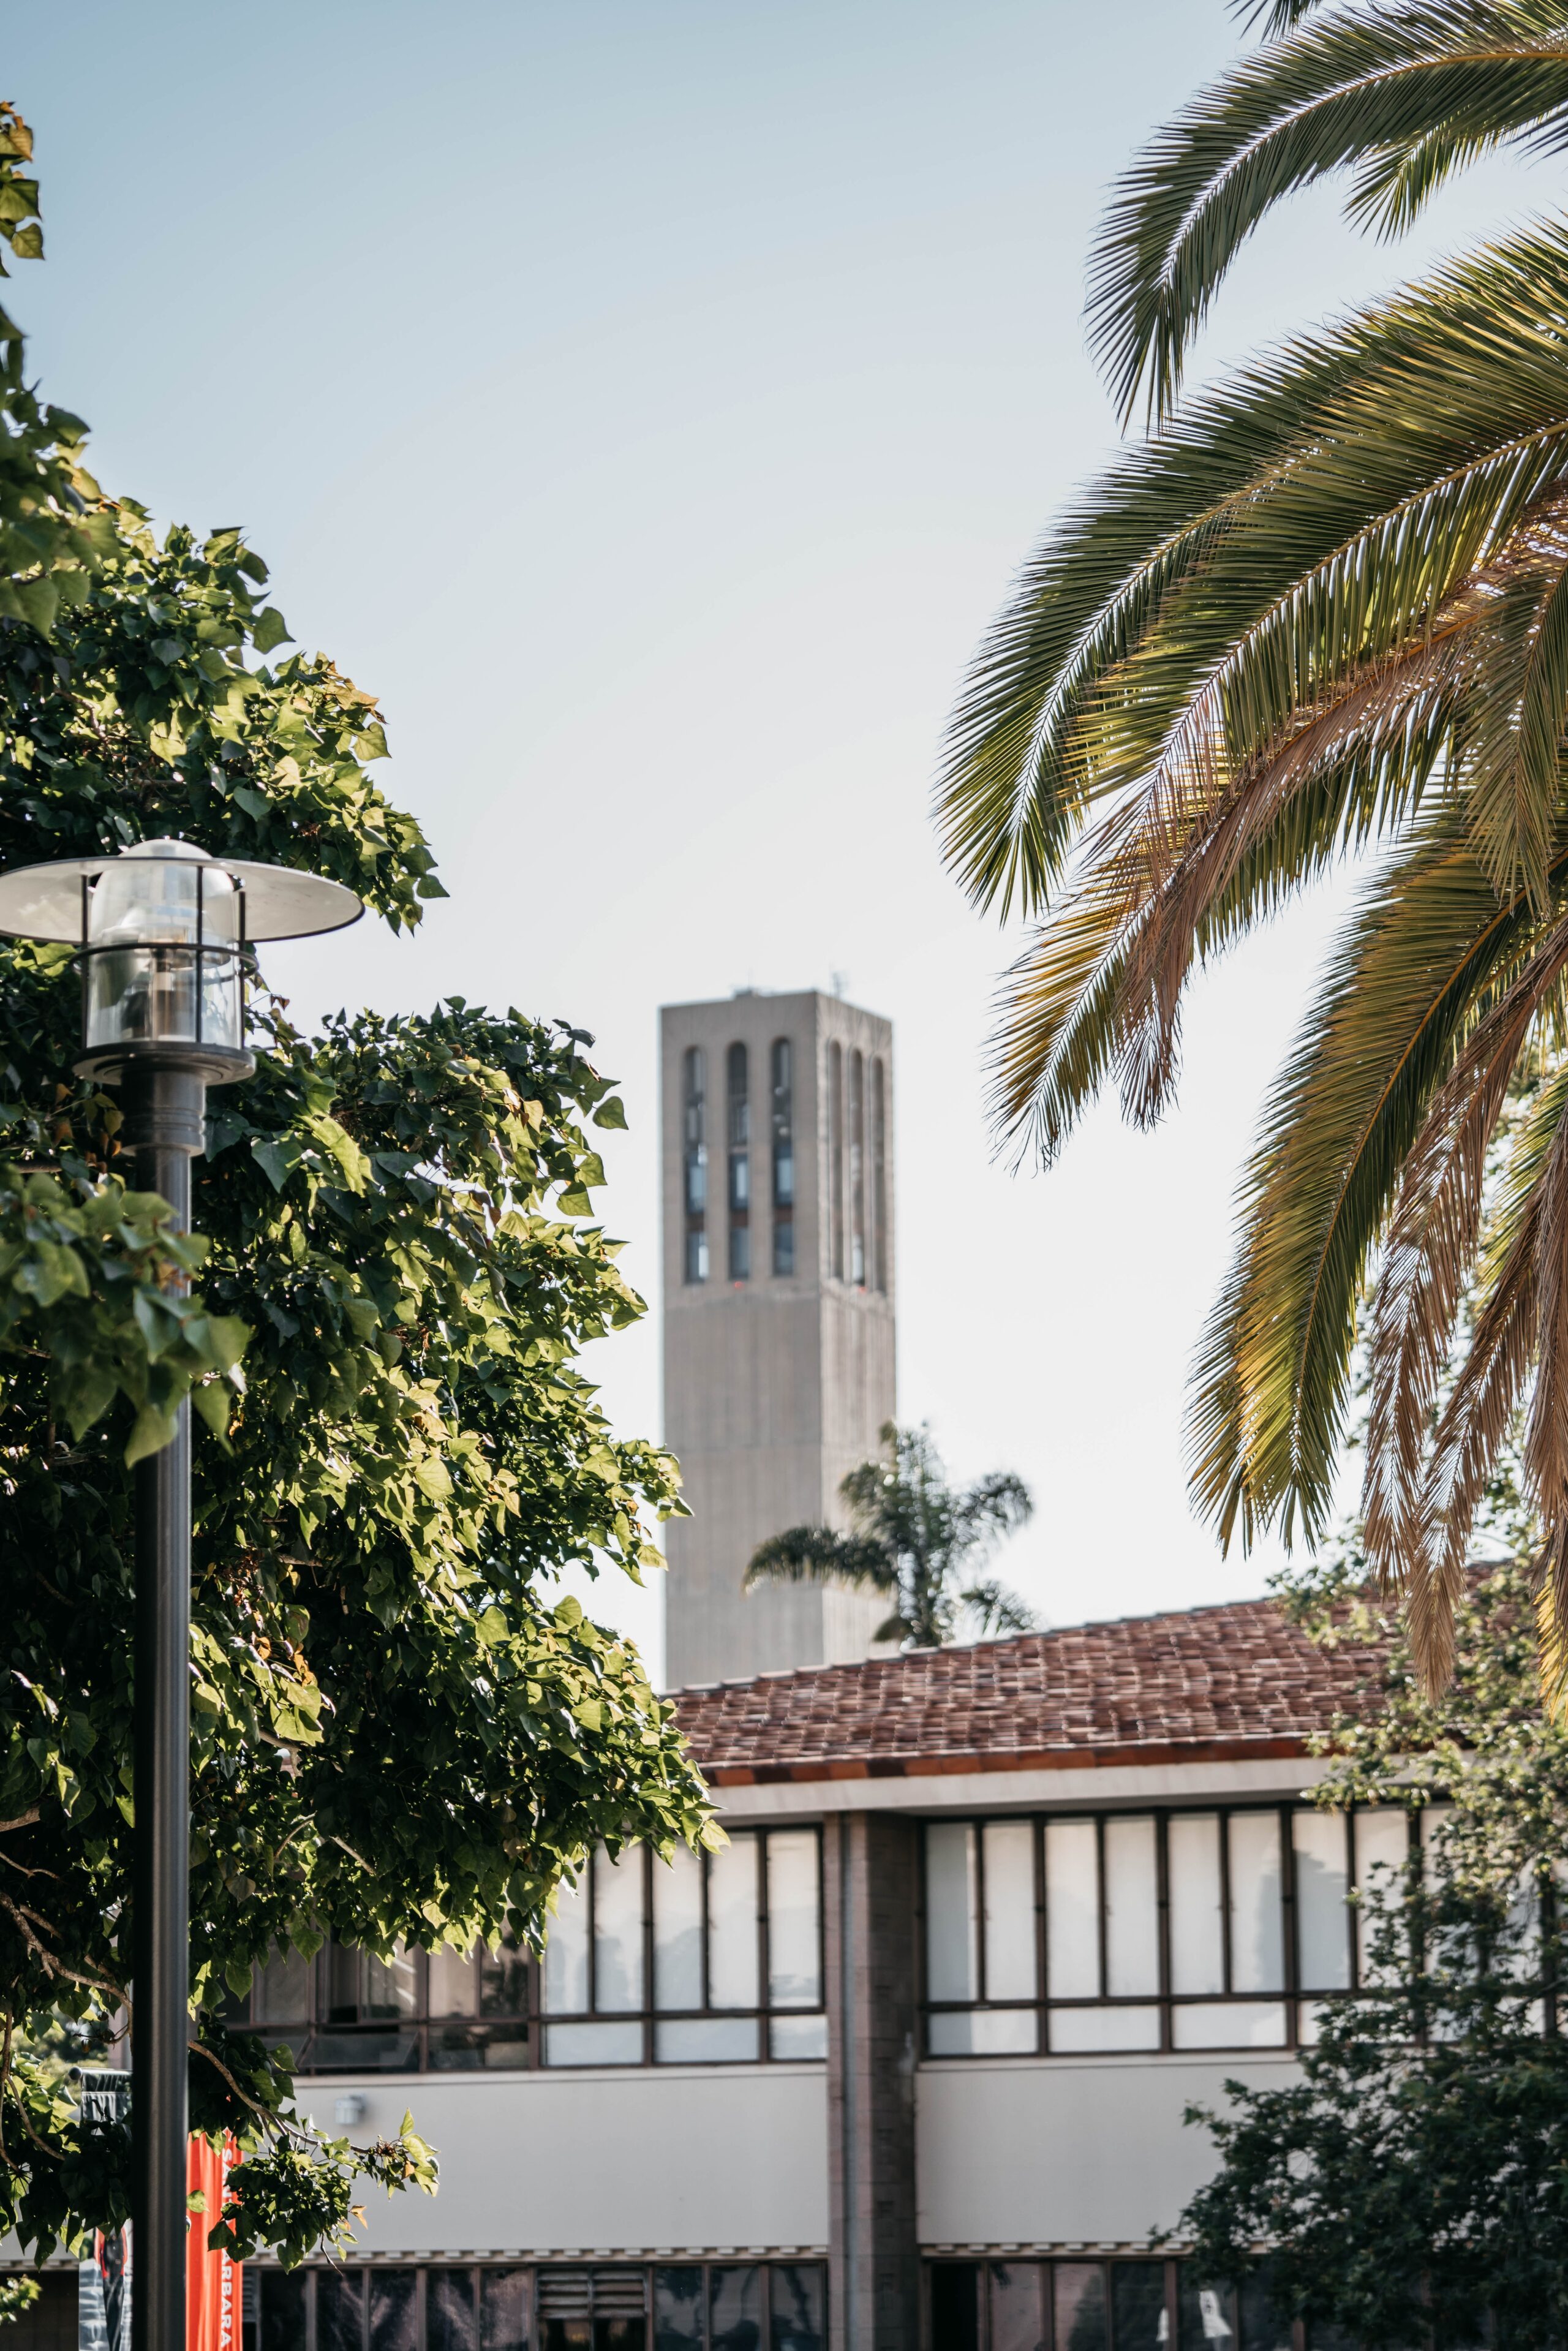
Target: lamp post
[{"x": 163, "y": 931}]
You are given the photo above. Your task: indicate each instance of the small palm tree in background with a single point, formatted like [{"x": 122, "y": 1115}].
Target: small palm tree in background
[{"x": 915, "y": 1537}]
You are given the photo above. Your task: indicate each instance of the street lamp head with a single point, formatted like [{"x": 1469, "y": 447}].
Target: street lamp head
[{"x": 162, "y": 930}]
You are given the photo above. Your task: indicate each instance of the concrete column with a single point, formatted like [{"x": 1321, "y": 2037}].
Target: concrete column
[{"x": 870, "y": 1872}]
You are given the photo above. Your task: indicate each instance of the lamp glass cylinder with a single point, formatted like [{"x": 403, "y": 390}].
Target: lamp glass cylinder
[{"x": 162, "y": 944}]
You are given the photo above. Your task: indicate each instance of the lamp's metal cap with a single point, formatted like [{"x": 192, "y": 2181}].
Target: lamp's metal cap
[{"x": 44, "y": 902}]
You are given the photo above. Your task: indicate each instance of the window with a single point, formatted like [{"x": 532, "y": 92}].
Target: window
[
  {"x": 1146, "y": 1931},
  {"x": 710, "y": 1958},
  {"x": 694, "y": 1115},
  {"x": 491, "y": 2307},
  {"x": 738, "y": 1131},
  {"x": 857, "y": 1169},
  {"x": 835, "y": 1156},
  {"x": 1090, "y": 2305},
  {"x": 346, "y": 2011},
  {"x": 879, "y": 1174},
  {"x": 783, "y": 1157}
]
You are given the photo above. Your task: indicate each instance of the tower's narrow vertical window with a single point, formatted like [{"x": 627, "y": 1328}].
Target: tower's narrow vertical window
[
  {"x": 783, "y": 1077},
  {"x": 836, "y": 1162},
  {"x": 857, "y": 1169},
  {"x": 878, "y": 1175},
  {"x": 695, "y": 1151},
  {"x": 739, "y": 1116}
]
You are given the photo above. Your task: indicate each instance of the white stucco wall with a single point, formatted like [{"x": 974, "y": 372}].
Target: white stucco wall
[
  {"x": 686, "y": 2158},
  {"x": 1064, "y": 2153}
]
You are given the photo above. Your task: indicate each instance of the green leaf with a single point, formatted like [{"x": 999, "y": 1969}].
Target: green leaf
[
  {"x": 268, "y": 629},
  {"x": 277, "y": 1159}
]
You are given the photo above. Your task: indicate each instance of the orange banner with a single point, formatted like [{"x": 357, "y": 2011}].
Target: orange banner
[{"x": 212, "y": 2281}]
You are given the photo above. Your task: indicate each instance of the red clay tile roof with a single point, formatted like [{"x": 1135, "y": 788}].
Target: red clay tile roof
[{"x": 1205, "y": 1684}]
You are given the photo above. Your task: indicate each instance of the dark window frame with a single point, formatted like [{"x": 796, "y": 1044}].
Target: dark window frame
[
  {"x": 1249, "y": 2329},
  {"x": 763, "y": 2014},
  {"x": 737, "y": 1159},
  {"x": 1294, "y": 1995},
  {"x": 422, "y": 2030},
  {"x": 781, "y": 1101},
  {"x": 604, "y": 2294},
  {"x": 693, "y": 1163}
]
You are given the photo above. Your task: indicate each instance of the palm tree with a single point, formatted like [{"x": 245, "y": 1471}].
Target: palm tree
[
  {"x": 1323, "y": 607},
  {"x": 913, "y": 1536}
]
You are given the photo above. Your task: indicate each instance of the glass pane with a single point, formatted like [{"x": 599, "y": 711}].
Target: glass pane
[
  {"x": 952, "y": 1925},
  {"x": 797, "y": 2036},
  {"x": 1382, "y": 1849},
  {"x": 677, "y": 2309},
  {"x": 339, "y": 2311},
  {"x": 707, "y": 2041},
  {"x": 1083, "y": 2029},
  {"x": 618, "y": 1931},
  {"x": 1008, "y": 1856},
  {"x": 1257, "y": 1912},
  {"x": 732, "y": 1956},
  {"x": 389, "y": 1987},
  {"x": 800, "y": 2292},
  {"x": 737, "y": 2314},
  {"x": 984, "y": 2032},
  {"x": 1072, "y": 1910},
  {"x": 504, "y": 2304},
  {"x": 593, "y": 2044},
  {"x": 453, "y": 1985},
  {"x": 1208, "y": 2314},
  {"x": 282, "y": 2309},
  {"x": 621, "y": 2334},
  {"x": 503, "y": 1980},
  {"x": 451, "y": 2321},
  {"x": 566, "y": 1951},
  {"x": 678, "y": 1930},
  {"x": 341, "y": 1969},
  {"x": 1019, "y": 2316},
  {"x": 955, "y": 2306},
  {"x": 455, "y": 2047},
  {"x": 1229, "y": 2025},
  {"x": 1263, "y": 2327},
  {"x": 1080, "y": 2307},
  {"x": 794, "y": 1948},
  {"x": 1138, "y": 2306},
  {"x": 1197, "y": 1961},
  {"x": 567, "y": 2334},
  {"x": 282, "y": 1992},
  {"x": 1322, "y": 1883},
  {"x": 391, "y": 2311},
  {"x": 1132, "y": 1909}
]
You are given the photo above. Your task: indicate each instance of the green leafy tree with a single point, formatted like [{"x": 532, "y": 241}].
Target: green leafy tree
[
  {"x": 914, "y": 1537},
  {"x": 1413, "y": 2182},
  {"x": 402, "y": 1731},
  {"x": 1322, "y": 609}
]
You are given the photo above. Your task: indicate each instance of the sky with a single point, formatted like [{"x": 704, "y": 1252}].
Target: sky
[{"x": 652, "y": 402}]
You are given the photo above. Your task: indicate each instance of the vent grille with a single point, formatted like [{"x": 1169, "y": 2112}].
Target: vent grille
[
  {"x": 618, "y": 2293},
  {"x": 565, "y": 2294}
]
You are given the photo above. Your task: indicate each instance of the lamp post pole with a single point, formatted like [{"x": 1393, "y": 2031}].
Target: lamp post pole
[
  {"x": 165, "y": 1108},
  {"x": 162, "y": 929}
]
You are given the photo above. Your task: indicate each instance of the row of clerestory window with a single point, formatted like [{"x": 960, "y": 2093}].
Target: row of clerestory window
[{"x": 855, "y": 1147}]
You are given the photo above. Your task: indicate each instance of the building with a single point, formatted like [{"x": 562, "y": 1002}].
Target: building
[
  {"x": 779, "y": 1280},
  {"x": 905, "y": 2064}
]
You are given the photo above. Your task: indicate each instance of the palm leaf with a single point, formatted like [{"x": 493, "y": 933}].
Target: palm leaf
[{"x": 1407, "y": 93}]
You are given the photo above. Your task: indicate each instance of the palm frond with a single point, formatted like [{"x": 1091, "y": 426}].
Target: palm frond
[
  {"x": 1270, "y": 1382},
  {"x": 1218, "y": 582},
  {"x": 1432, "y": 1243},
  {"x": 1406, "y": 92},
  {"x": 821, "y": 1556},
  {"x": 994, "y": 1609}
]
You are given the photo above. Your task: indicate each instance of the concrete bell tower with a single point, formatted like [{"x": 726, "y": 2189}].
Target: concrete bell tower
[{"x": 778, "y": 1311}]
